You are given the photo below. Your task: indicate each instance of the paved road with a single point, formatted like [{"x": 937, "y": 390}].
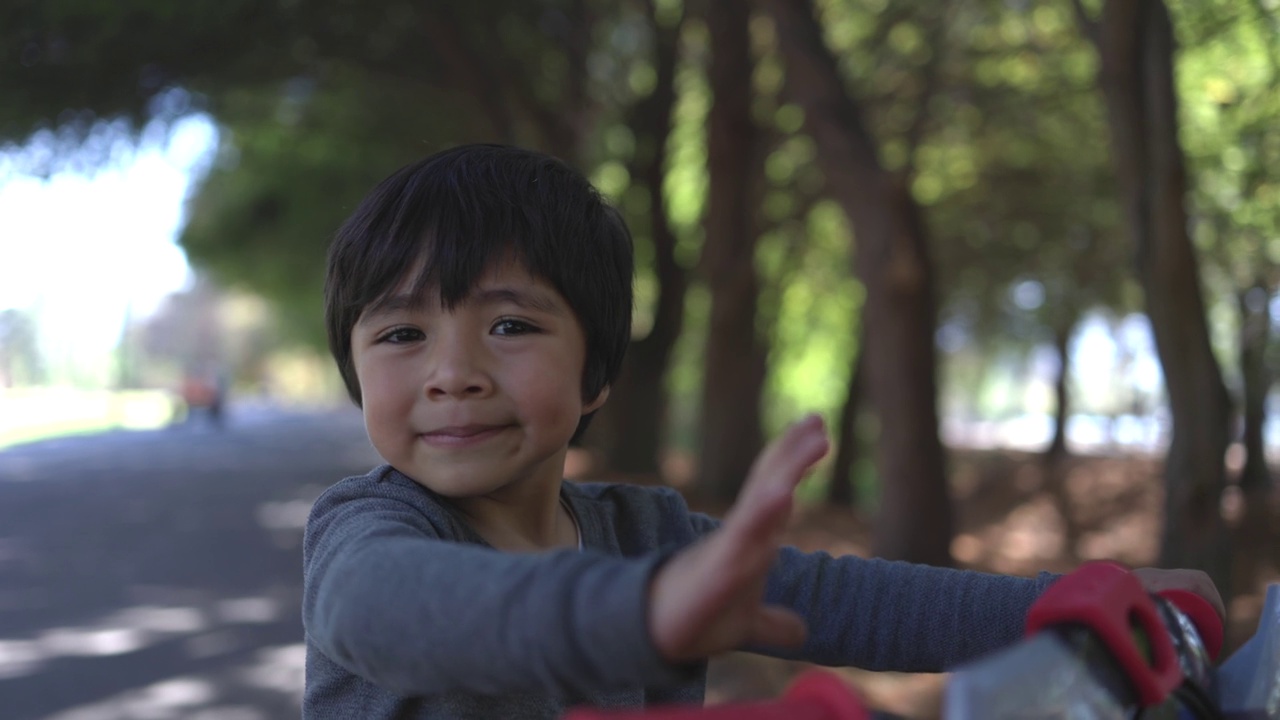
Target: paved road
[{"x": 157, "y": 574}]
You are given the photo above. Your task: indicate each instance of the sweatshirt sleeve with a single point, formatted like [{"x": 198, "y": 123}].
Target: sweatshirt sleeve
[
  {"x": 895, "y": 616},
  {"x": 390, "y": 600},
  {"x": 882, "y": 615}
]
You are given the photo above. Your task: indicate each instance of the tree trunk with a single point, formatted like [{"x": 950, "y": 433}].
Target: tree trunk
[
  {"x": 1254, "y": 527},
  {"x": 1062, "y": 408},
  {"x": 900, "y": 316},
  {"x": 1255, "y": 331},
  {"x": 735, "y": 357},
  {"x": 840, "y": 486},
  {"x": 634, "y": 416},
  {"x": 1135, "y": 42}
]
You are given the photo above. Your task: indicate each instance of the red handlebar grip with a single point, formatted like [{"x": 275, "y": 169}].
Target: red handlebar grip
[
  {"x": 815, "y": 695},
  {"x": 1201, "y": 614},
  {"x": 1110, "y": 601}
]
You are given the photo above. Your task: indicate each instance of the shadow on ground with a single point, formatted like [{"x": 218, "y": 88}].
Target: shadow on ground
[{"x": 157, "y": 574}]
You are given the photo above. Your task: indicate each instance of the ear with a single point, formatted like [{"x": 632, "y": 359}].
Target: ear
[{"x": 597, "y": 401}]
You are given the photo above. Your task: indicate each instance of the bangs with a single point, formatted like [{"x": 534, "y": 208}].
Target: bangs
[
  {"x": 446, "y": 232},
  {"x": 444, "y": 271}
]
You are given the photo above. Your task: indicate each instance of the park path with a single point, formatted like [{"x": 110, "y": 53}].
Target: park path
[{"x": 157, "y": 574}]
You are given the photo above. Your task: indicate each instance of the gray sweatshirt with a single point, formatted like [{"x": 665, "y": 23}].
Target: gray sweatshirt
[{"x": 410, "y": 614}]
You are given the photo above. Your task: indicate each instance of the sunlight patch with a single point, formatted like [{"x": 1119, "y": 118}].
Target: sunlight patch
[
  {"x": 80, "y": 642},
  {"x": 287, "y": 515},
  {"x": 249, "y": 610},
  {"x": 176, "y": 698},
  {"x": 20, "y": 657},
  {"x": 280, "y": 669},
  {"x": 127, "y": 631}
]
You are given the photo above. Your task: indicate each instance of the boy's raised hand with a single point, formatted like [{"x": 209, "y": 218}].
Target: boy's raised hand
[{"x": 709, "y": 598}]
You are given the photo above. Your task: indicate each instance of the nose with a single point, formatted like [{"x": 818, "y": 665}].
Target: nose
[{"x": 457, "y": 370}]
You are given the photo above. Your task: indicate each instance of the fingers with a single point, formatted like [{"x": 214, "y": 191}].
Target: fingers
[
  {"x": 766, "y": 496},
  {"x": 785, "y": 459},
  {"x": 708, "y": 598}
]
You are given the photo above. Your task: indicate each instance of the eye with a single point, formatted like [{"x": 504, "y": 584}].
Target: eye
[
  {"x": 510, "y": 326},
  {"x": 400, "y": 336}
]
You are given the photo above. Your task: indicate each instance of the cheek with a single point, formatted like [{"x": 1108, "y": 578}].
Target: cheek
[
  {"x": 553, "y": 399},
  {"x": 386, "y": 397}
]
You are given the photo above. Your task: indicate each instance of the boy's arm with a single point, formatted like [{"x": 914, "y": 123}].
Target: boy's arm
[
  {"x": 904, "y": 617},
  {"x": 390, "y": 601},
  {"x": 894, "y": 616},
  {"x": 897, "y": 616},
  {"x": 736, "y": 589}
]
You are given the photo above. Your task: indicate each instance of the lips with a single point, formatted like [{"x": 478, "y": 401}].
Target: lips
[{"x": 461, "y": 435}]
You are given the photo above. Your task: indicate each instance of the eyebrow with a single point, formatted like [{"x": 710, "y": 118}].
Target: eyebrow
[
  {"x": 527, "y": 299},
  {"x": 391, "y": 305}
]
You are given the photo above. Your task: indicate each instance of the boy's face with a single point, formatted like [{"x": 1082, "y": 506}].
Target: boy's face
[{"x": 478, "y": 399}]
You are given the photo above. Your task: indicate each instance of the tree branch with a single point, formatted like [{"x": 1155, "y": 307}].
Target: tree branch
[{"x": 1088, "y": 26}]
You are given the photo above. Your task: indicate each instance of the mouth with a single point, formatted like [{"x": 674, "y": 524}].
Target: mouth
[{"x": 461, "y": 435}]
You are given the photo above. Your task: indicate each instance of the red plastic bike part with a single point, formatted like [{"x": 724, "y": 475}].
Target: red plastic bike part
[
  {"x": 1202, "y": 615},
  {"x": 816, "y": 695},
  {"x": 1110, "y": 601},
  {"x": 840, "y": 701}
]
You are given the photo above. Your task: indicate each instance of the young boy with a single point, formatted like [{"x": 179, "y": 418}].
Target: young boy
[{"x": 478, "y": 305}]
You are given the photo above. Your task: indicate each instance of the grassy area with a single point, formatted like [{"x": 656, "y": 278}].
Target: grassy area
[{"x": 28, "y": 414}]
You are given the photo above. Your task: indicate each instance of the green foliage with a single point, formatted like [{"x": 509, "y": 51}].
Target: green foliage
[
  {"x": 69, "y": 63},
  {"x": 1018, "y": 182},
  {"x": 316, "y": 101},
  {"x": 989, "y": 109},
  {"x": 282, "y": 185},
  {"x": 1229, "y": 85},
  {"x": 816, "y": 316}
]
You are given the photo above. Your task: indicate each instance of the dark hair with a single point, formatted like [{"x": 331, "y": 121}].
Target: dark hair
[{"x": 456, "y": 212}]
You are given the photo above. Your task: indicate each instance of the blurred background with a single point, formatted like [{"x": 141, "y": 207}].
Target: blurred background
[{"x": 1023, "y": 256}]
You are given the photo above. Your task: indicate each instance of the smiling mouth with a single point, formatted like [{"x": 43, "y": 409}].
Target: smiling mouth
[{"x": 462, "y": 435}]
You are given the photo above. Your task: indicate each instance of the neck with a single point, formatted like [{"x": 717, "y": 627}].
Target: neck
[{"x": 526, "y": 521}]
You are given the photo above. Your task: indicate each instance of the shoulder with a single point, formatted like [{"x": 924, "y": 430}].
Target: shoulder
[
  {"x": 382, "y": 481},
  {"x": 616, "y": 491},
  {"x": 382, "y": 495},
  {"x": 641, "y": 517},
  {"x": 623, "y": 498}
]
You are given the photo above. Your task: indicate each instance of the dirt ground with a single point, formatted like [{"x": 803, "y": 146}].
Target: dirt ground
[{"x": 1013, "y": 519}]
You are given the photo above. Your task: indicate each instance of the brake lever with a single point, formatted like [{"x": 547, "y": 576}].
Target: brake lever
[{"x": 1099, "y": 646}]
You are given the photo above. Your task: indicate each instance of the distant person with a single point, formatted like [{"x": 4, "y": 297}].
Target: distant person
[
  {"x": 478, "y": 305},
  {"x": 206, "y": 394}
]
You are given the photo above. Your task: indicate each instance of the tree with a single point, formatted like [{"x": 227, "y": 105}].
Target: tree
[
  {"x": 893, "y": 263},
  {"x": 1231, "y": 87},
  {"x": 1024, "y": 260},
  {"x": 735, "y": 358},
  {"x": 1134, "y": 40},
  {"x": 637, "y": 407},
  {"x": 848, "y": 444}
]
